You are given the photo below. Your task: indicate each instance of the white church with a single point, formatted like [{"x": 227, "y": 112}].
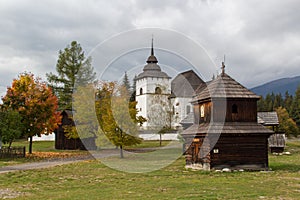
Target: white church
[{"x": 163, "y": 101}]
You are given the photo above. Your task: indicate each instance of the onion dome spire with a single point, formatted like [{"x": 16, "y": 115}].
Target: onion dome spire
[{"x": 152, "y": 58}]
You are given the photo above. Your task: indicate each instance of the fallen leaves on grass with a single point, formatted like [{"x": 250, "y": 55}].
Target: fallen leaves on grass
[{"x": 51, "y": 155}]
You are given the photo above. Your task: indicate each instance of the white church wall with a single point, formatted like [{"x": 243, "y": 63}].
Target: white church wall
[
  {"x": 182, "y": 107},
  {"x": 150, "y": 105},
  {"x": 163, "y": 83}
]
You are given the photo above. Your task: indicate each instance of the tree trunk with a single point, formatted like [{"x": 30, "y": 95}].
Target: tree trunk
[
  {"x": 9, "y": 145},
  {"x": 121, "y": 152},
  {"x": 30, "y": 144},
  {"x": 160, "y": 140}
]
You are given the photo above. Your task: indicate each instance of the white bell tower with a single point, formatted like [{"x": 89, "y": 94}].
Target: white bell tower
[{"x": 153, "y": 89}]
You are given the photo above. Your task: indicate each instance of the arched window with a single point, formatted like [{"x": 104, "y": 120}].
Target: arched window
[
  {"x": 141, "y": 91},
  {"x": 234, "y": 108},
  {"x": 202, "y": 111},
  {"x": 188, "y": 109},
  {"x": 157, "y": 90}
]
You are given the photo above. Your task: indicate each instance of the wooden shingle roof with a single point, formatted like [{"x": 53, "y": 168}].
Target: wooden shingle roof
[
  {"x": 267, "y": 118},
  {"x": 226, "y": 128},
  {"x": 224, "y": 87}
]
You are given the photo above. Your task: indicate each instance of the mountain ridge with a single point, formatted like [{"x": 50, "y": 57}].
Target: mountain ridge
[{"x": 277, "y": 86}]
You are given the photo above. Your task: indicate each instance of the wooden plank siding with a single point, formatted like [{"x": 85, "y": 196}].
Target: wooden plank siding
[
  {"x": 230, "y": 119},
  {"x": 240, "y": 151},
  {"x": 62, "y": 142}
]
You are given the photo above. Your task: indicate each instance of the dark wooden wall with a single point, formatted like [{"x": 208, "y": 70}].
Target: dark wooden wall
[
  {"x": 246, "y": 111},
  {"x": 61, "y": 141},
  {"x": 240, "y": 150},
  {"x": 222, "y": 111}
]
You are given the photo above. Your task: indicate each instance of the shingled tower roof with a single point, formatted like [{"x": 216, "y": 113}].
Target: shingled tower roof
[
  {"x": 152, "y": 69},
  {"x": 224, "y": 87}
]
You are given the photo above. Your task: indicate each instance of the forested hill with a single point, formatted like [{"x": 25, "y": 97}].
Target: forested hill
[{"x": 278, "y": 86}]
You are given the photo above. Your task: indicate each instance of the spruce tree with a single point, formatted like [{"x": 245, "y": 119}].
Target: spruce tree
[
  {"x": 133, "y": 90},
  {"x": 278, "y": 101},
  {"x": 126, "y": 82},
  {"x": 72, "y": 66},
  {"x": 288, "y": 100},
  {"x": 295, "y": 107}
]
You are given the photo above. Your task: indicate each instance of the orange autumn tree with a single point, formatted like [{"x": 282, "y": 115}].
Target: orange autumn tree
[{"x": 36, "y": 103}]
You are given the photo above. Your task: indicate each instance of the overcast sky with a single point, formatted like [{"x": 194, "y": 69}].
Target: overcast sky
[{"x": 259, "y": 38}]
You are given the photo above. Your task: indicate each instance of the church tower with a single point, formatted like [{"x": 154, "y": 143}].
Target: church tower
[{"x": 153, "y": 89}]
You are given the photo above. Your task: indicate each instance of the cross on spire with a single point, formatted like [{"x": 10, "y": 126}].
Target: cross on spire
[
  {"x": 152, "y": 49},
  {"x": 152, "y": 58},
  {"x": 223, "y": 68}
]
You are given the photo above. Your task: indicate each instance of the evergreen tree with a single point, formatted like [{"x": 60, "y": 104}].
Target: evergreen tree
[
  {"x": 126, "y": 83},
  {"x": 260, "y": 104},
  {"x": 133, "y": 90},
  {"x": 288, "y": 100},
  {"x": 295, "y": 107},
  {"x": 278, "y": 101},
  {"x": 268, "y": 103},
  {"x": 71, "y": 67}
]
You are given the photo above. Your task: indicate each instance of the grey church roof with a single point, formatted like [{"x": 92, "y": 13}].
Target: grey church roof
[
  {"x": 152, "y": 69},
  {"x": 185, "y": 84},
  {"x": 224, "y": 87}
]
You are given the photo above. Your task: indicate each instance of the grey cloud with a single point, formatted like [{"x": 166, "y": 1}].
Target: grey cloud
[{"x": 259, "y": 38}]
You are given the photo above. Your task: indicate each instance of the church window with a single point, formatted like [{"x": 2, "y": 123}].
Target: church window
[
  {"x": 141, "y": 91},
  {"x": 157, "y": 90},
  {"x": 202, "y": 111},
  {"x": 234, "y": 108},
  {"x": 188, "y": 109}
]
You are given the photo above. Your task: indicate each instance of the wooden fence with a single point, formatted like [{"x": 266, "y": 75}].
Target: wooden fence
[{"x": 12, "y": 152}]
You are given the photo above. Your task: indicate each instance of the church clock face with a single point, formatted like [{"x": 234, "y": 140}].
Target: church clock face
[{"x": 202, "y": 111}]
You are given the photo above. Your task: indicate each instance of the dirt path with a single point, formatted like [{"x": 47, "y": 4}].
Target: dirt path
[
  {"x": 43, "y": 164},
  {"x": 64, "y": 161}
]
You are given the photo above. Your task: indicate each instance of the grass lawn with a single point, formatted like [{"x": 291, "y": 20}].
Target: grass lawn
[
  {"x": 149, "y": 144},
  {"x": 41, "y": 150},
  {"x": 45, "y": 150},
  {"x": 93, "y": 180}
]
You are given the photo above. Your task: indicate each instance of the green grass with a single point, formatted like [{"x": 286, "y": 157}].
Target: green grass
[
  {"x": 93, "y": 180},
  {"x": 41, "y": 150},
  {"x": 150, "y": 144},
  {"x": 289, "y": 163},
  {"x": 36, "y": 146},
  {"x": 49, "y": 146}
]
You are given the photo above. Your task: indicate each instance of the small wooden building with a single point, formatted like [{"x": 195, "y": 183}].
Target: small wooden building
[
  {"x": 277, "y": 140},
  {"x": 225, "y": 133},
  {"x": 62, "y": 142}
]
